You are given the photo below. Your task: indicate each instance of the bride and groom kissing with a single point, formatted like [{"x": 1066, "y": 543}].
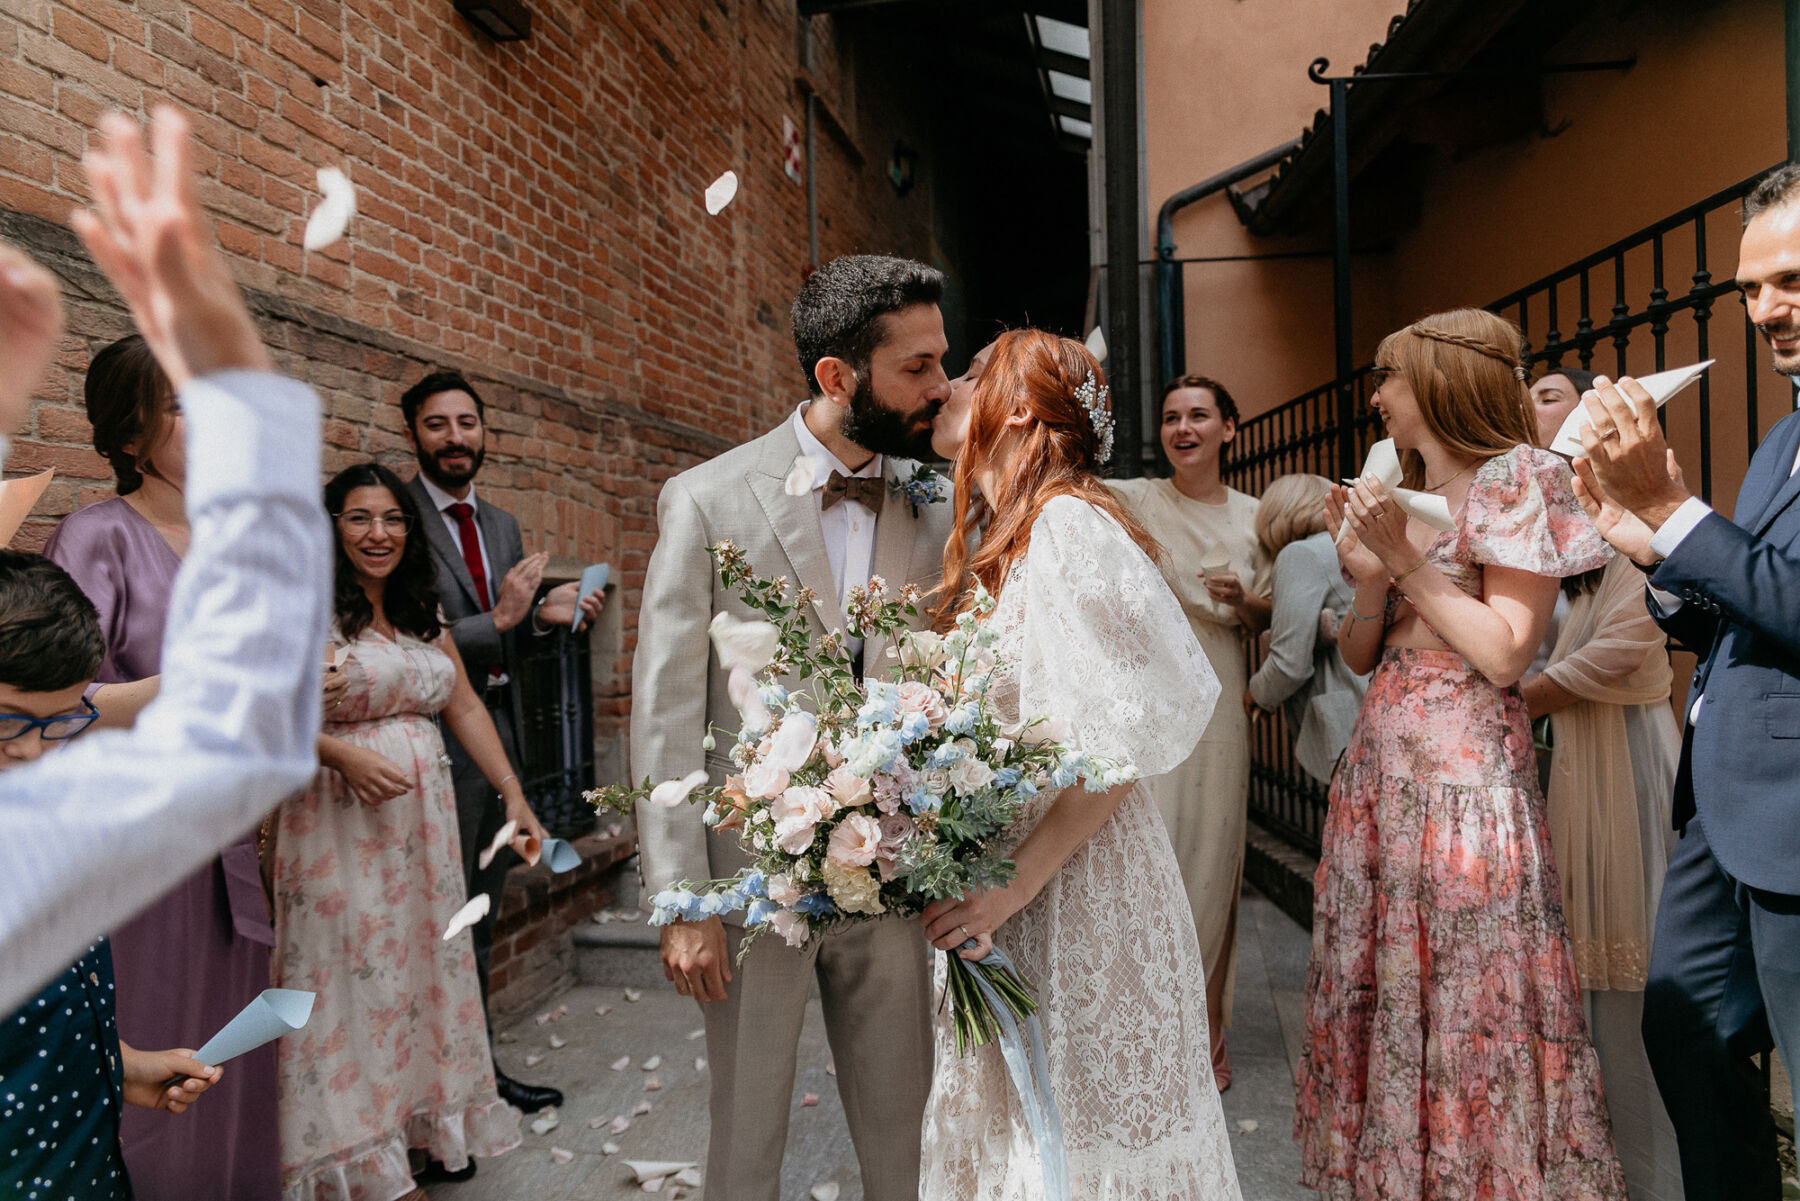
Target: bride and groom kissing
[{"x": 1096, "y": 918}]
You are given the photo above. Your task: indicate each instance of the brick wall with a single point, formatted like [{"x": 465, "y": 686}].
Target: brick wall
[{"x": 529, "y": 213}]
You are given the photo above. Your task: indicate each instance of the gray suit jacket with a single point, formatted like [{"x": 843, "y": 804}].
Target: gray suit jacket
[
  {"x": 481, "y": 646},
  {"x": 677, "y": 686}
]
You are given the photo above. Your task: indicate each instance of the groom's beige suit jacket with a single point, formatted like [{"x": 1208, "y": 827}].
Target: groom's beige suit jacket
[
  {"x": 677, "y": 685},
  {"x": 873, "y": 978}
]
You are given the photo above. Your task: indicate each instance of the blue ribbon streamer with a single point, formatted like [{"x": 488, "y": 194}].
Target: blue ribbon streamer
[{"x": 1023, "y": 1050}]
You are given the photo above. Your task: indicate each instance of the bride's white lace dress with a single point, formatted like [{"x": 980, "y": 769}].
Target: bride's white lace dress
[{"x": 1094, "y": 639}]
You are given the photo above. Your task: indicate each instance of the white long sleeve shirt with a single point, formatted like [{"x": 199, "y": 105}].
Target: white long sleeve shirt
[{"x": 91, "y": 833}]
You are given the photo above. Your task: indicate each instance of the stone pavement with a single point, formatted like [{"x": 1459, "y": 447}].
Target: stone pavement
[{"x": 1264, "y": 1041}]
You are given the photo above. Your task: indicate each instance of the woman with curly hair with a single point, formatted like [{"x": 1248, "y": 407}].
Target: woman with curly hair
[
  {"x": 1097, "y": 918},
  {"x": 1447, "y": 1053},
  {"x": 368, "y": 874}
]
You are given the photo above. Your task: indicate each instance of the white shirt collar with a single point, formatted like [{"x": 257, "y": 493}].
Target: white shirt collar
[
  {"x": 443, "y": 500},
  {"x": 813, "y": 448}
]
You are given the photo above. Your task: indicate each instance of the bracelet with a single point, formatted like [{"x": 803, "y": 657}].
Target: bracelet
[
  {"x": 1355, "y": 616},
  {"x": 502, "y": 783},
  {"x": 1423, "y": 559}
]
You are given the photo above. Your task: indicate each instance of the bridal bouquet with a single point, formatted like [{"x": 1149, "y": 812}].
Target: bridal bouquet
[{"x": 857, "y": 799}]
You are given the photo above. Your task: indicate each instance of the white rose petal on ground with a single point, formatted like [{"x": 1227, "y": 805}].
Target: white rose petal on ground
[
  {"x": 831, "y": 1069},
  {"x": 720, "y": 192},
  {"x": 653, "y": 1185},
  {"x": 507, "y": 1036},
  {"x": 543, "y": 1017},
  {"x": 609, "y": 1148},
  {"x": 632, "y": 994},
  {"x": 653, "y": 1084},
  {"x": 801, "y": 475},
  {"x": 656, "y": 1169},
  {"x": 690, "y": 1177},
  {"x": 558, "y": 1042},
  {"x": 640, "y": 1109},
  {"x": 621, "y": 1063},
  {"x": 601, "y": 1011},
  {"x": 825, "y": 1192},
  {"x": 533, "y": 1058},
  {"x": 809, "y": 1100},
  {"x": 562, "y": 1155},
  {"x": 652, "y": 1063},
  {"x": 1247, "y": 1125},
  {"x": 671, "y": 793},
  {"x": 559, "y": 1013},
  {"x": 467, "y": 916},
  {"x": 596, "y": 1123},
  {"x": 620, "y": 1124},
  {"x": 694, "y": 1034},
  {"x": 502, "y": 836},
  {"x": 545, "y": 1122},
  {"x": 331, "y": 216},
  {"x": 700, "y": 1064}
]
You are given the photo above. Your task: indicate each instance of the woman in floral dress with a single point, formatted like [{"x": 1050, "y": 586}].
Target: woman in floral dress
[
  {"x": 1447, "y": 1053},
  {"x": 368, "y": 874}
]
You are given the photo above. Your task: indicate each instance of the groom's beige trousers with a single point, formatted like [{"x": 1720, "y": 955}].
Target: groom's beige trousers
[{"x": 875, "y": 989}]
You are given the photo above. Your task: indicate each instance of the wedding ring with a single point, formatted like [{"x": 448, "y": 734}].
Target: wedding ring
[
  {"x": 966, "y": 933},
  {"x": 1611, "y": 431}
]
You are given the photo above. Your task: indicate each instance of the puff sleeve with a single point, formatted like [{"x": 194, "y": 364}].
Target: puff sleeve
[
  {"x": 1521, "y": 513},
  {"x": 1105, "y": 650}
]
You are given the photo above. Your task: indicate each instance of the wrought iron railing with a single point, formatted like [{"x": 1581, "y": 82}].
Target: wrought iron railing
[
  {"x": 556, "y": 722},
  {"x": 1613, "y": 311}
]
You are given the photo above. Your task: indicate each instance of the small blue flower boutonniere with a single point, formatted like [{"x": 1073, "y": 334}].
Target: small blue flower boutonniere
[{"x": 923, "y": 487}]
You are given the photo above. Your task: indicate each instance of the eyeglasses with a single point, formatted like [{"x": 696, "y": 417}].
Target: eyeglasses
[
  {"x": 52, "y": 729},
  {"x": 358, "y": 522}
]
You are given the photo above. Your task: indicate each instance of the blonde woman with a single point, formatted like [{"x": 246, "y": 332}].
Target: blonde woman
[
  {"x": 1447, "y": 1054},
  {"x": 1303, "y": 673},
  {"x": 1221, "y": 577}
]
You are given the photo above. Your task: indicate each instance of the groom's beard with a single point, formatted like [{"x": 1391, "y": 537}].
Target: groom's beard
[{"x": 884, "y": 431}]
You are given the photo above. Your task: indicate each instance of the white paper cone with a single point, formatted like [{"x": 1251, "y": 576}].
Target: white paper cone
[
  {"x": 1661, "y": 386},
  {"x": 277, "y": 1011},
  {"x": 1383, "y": 462}
]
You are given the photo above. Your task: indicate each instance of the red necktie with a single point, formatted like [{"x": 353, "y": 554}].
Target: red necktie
[{"x": 471, "y": 549}]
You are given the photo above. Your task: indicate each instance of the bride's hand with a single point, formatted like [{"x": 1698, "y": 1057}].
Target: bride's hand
[{"x": 951, "y": 922}]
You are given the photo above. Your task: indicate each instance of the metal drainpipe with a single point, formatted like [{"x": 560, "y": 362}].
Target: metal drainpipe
[{"x": 1171, "y": 308}]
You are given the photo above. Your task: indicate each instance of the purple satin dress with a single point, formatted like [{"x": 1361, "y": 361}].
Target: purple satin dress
[{"x": 200, "y": 953}]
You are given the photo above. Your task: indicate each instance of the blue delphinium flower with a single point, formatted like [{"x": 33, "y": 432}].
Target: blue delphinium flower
[
  {"x": 760, "y": 912},
  {"x": 919, "y": 800},
  {"x": 943, "y": 755},
  {"x": 1006, "y": 777},
  {"x": 754, "y": 884},
  {"x": 913, "y": 727},
  {"x": 961, "y": 719},
  {"x": 815, "y": 904},
  {"x": 872, "y": 751},
  {"x": 773, "y": 695},
  {"x": 672, "y": 903},
  {"x": 881, "y": 706}
]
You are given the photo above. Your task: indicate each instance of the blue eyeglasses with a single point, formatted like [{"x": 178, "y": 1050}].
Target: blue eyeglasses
[{"x": 51, "y": 729}]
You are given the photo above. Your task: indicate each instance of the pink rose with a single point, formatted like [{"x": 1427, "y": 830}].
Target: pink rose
[
  {"x": 783, "y": 891},
  {"x": 847, "y": 788},
  {"x": 791, "y": 926},
  {"x": 896, "y": 828},
  {"x": 855, "y": 842},
  {"x": 922, "y": 698},
  {"x": 891, "y": 788},
  {"x": 764, "y": 779}
]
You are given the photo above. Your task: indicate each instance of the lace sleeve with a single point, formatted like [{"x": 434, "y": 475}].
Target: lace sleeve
[
  {"x": 1522, "y": 513},
  {"x": 1105, "y": 648}
]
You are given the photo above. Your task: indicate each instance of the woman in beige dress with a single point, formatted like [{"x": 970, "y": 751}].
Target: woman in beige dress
[{"x": 1218, "y": 571}]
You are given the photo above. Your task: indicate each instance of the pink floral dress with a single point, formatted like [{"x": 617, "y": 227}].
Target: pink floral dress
[
  {"x": 1447, "y": 1052},
  {"x": 396, "y": 1054}
]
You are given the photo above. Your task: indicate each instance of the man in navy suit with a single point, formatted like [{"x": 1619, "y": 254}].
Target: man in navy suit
[{"x": 1724, "y": 980}]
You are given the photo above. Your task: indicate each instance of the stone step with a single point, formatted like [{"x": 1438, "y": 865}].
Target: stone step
[{"x": 618, "y": 952}]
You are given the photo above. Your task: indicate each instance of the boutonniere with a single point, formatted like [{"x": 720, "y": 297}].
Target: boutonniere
[{"x": 923, "y": 487}]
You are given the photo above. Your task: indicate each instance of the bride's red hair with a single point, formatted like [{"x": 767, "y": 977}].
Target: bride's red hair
[{"x": 1056, "y": 453}]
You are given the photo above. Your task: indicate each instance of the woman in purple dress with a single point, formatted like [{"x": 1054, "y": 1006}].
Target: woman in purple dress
[{"x": 189, "y": 962}]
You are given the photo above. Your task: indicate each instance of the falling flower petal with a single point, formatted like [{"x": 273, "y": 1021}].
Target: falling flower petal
[
  {"x": 502, "y": 836},
  {"x": 558, "y": 1042},
  {"x": 602, "y": 917},
  {"x": 561, "y": 1155},
  {"x": 831, "y": 1069},
  {"x": 652, "y": 1169},
  {"x": 694, "y": 1034},
  {"x": 609, "y": 1148},
  {"x": 652, "y": 1063},
  {"x": 614, "y": 829},
  {"x": 546, "y": 1122},
  {"x": 825, "y": 1192},
  {"x": 653, "y": 1185},
  {"x": 720, "y": 192},
  {"x": 621, "y": 1063},
  {"x": 640, "y": 1109},
  {"x": 801, "y": 475},
  {"x": 746, "y": 698},
  {"x": 809, "y": 1100},
  {"x": 1247, "y": 1125},
  {"x": 633, "y": 994},
  {"x": 331, "y": 216},
  {"x": 746, "y": 644},
  {"x": 671, "y": 793},
  {"x": 601, "y": 1011},
  {"x": 620, "y": 1124},
  {"x": 467, "y": 916},
  {"x": 793, "y": 743},
  {"x": 653, "y": 1084},
  {"x": 533, "y": 1058},
  {"x": 1096, "y": 344},
  {"x": 700, "y": 1064}
]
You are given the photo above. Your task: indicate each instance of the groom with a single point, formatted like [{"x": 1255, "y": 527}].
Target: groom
[{"x": 871, "y": 342}]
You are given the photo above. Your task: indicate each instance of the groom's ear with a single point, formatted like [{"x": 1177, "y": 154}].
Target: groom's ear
[{"x": 836, "y": 379}]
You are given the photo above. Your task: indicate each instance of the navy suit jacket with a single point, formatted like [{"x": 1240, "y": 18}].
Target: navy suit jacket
[{"x": 1739, "y": 582}]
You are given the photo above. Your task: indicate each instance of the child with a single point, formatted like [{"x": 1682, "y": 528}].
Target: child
[{"x": 63, "y": 1068}]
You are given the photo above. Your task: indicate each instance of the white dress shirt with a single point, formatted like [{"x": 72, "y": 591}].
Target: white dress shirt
[
  {"x": 849, "y": 526},
  {"x": 1667, "y": 537},
  {"x": 93, "y": 832}
]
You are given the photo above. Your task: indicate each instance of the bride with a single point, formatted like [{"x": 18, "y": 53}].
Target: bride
[{"x": 1097, "y": 919}]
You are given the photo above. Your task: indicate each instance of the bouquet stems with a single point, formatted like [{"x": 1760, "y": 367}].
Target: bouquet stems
[{"x": 972, "y": 1017}]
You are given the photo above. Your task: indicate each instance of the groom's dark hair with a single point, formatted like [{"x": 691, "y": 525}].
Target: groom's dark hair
[{"x": 838, "y": 311}]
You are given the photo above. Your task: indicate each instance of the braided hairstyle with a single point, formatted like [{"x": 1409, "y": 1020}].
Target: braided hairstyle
[{"x": 1466, "y": 369}]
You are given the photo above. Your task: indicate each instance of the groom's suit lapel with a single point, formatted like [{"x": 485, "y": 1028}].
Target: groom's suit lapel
[{"x": 795, "y": 522}]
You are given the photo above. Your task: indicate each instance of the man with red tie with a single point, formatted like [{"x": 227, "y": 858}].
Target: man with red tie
[{"x": 487, "y": 586}]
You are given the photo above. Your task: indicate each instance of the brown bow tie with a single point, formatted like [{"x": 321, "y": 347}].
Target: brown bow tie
[{"x": 866, "y": 490}]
